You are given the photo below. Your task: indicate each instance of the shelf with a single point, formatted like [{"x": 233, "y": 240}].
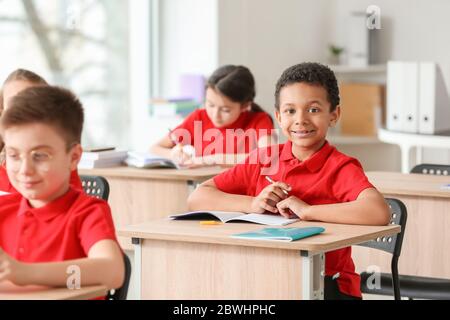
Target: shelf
[
  {"x": 346, "y": 69},
  {"x": 349, "y": 140},
  {"x": 407, "y": 141},
  {"x": 414, "y": 139}
]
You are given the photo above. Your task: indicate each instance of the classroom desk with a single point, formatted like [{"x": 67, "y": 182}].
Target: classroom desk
[
  {"x": 425, "y": 250},
  {"x": 139, "y": 195},
  {"x": 9, "y": 291},
  {"x": 186, "y": 260}
]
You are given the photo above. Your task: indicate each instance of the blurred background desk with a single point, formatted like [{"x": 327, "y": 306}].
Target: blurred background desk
[{"x": 426, "y": 241}]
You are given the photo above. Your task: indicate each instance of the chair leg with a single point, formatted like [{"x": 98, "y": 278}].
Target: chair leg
[{"x": 395, "y": 280}]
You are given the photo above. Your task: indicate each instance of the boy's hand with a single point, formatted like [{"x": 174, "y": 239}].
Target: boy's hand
[
  {"x": 10, "y": 269},
  {"x": 269, "y": 197},
  {"x": 293, "y": 205}
]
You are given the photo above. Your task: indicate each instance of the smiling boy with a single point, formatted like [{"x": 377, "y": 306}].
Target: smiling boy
[
  {"x": 48, "y": 227},
  {"x": 322, "y": 183}
]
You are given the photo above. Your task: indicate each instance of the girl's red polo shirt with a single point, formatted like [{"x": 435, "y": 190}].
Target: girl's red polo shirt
[
  {"x": 327, "y": 177},
  {"x": 63, "y": 230},
  {"x": 6, "y": 186},
  {"x": 200, "y": 132}
]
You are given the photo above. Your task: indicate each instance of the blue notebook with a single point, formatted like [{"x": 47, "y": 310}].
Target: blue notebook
[{"x": 280, "y": 234}]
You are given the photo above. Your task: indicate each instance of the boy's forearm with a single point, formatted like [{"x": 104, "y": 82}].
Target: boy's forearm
[
  {"x": 91, "y": 271},
  {"x": 209, "y": 198},
  {"x": 366, "y": 212}
]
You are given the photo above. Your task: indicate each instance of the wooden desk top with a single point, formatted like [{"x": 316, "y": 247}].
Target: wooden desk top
[
  {"x": 335, "y": 236},
  {"x": 9, "y": 291},
  {"x": 394, "y": 183},
  {"x": 199, "y": 174}
]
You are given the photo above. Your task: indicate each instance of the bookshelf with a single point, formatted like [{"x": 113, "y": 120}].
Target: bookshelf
[
  {"x": 370, "y": 69},
  {"x": 352, "y": 140},
  {"x": 375, "y": 73}
]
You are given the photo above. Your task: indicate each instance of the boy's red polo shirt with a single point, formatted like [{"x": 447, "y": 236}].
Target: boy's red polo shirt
[
  {"x": 327, "y": 177},
  {"x": 63, "y": 230},
  {"x": 6, "y": 186},
  {"x": 260, "y": 122}
]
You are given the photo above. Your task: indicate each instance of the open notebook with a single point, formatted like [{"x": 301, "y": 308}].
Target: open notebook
[
  {"x": 267, "y": 219},
  {"x": 280, "y": 234}
]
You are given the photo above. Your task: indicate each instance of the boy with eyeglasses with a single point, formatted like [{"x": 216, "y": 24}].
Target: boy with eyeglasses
[{"x": 49, "y": 227}]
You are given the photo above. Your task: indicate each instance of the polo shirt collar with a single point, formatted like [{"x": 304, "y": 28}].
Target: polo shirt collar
[
  {"x": 313, "y": 163},
  {"x": 51, "y": 210}
]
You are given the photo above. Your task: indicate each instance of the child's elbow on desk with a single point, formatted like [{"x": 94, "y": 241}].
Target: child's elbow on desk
[
  {"x": 197, "y": 199},
  {"x": 381, "y": 214}
]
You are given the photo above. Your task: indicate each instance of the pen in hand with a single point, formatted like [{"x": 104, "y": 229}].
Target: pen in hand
[
  {"x": 272, "y": 181},
  {"x": 186, "y": 149}
]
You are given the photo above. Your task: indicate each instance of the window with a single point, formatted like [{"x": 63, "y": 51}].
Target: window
[{"x": 78, "y": 44}]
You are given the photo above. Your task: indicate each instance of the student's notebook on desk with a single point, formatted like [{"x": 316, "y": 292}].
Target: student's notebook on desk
[
  {"x": 280, "y": 234},
  {"x": 267, "y": 219},
  {"x": 148, "y": 160}
]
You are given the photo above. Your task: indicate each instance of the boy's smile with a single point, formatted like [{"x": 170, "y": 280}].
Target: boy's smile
[{"x": 304, "y": 117}]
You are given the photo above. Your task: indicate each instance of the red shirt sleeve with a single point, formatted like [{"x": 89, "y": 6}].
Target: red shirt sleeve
[
  {"x": 349, "y": 181},
  {"x": 96, "y": 224},
  {"x": 240, "y": 179}
]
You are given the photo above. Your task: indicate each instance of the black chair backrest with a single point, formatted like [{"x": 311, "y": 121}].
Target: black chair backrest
[
  {"x": 435, "y": 169},
  {"x": 392, "y": 244},
  {"x": 121, "y": 293},
  {"x": 95, "y": 186}
]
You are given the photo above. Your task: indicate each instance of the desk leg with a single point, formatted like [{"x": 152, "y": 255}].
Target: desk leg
[
  {"x": 313, "y": 275},
  {"x": 419, "y": 155},
  {"x": 406, "y": 158},
  {"x": 137, "y": 266}
]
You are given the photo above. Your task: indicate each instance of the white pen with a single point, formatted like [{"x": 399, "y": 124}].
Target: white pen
[{"x": 271, "y": 181}]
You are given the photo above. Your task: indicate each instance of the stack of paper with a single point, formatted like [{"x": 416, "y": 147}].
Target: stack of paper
[
  {"x": 148, "y": 160},
  {"x": 102, "y": 159}
]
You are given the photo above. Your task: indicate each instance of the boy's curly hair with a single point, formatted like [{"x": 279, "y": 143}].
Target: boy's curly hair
[{"x": 311, "y": 73}]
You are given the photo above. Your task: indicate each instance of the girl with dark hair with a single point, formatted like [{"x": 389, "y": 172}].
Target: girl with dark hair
[{"x": 229, "y": 126}]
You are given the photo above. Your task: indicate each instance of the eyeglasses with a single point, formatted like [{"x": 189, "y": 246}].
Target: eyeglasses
[{"x": 40, "y": 160}]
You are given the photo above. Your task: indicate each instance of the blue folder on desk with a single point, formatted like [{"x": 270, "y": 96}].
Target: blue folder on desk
[{"x": 280, "y": 234}]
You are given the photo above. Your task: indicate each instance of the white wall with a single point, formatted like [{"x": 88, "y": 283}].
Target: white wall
[
  {"x": 188, "y": 40},
  {"x": 269, "y": 35}
]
